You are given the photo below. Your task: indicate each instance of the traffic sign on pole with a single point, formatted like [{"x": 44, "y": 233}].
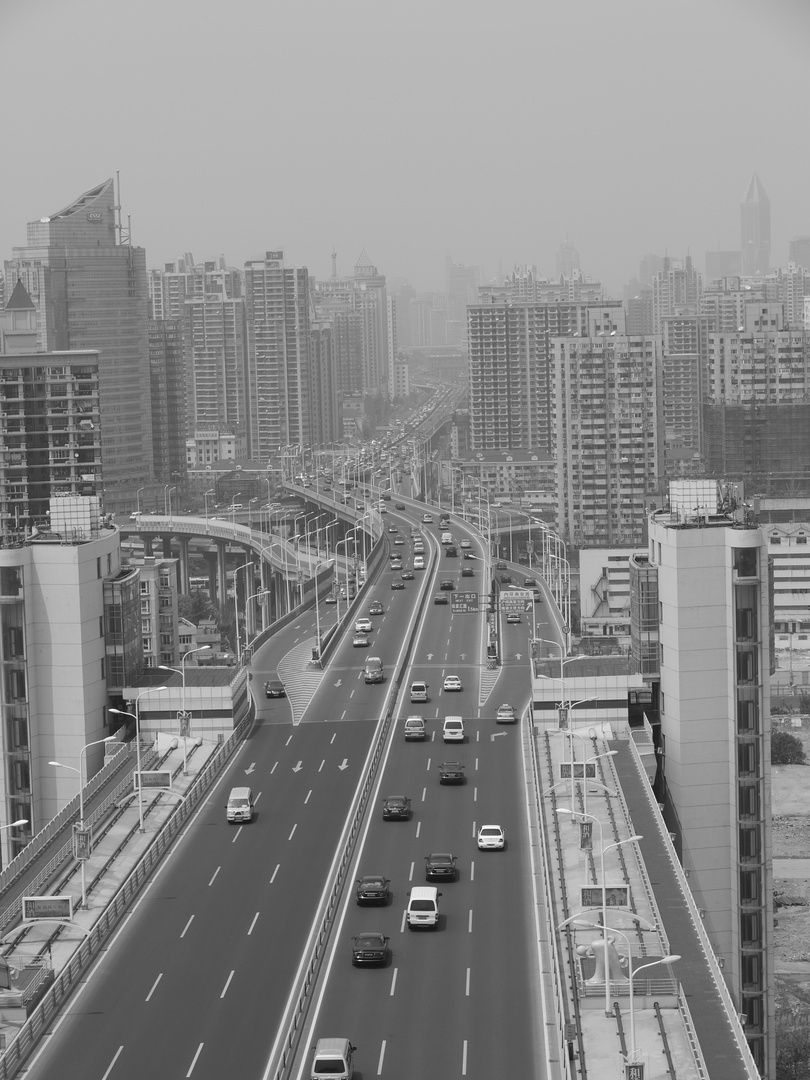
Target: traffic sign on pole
[{"x": 82, "y": 841}]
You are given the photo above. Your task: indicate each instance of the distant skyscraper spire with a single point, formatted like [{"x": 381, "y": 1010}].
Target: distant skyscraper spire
[{"x": 755, "y": 230}]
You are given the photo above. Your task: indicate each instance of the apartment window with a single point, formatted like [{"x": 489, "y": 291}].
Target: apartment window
[
  {"x": 750, "y": 928},
  {"x": 749, "y": 840},
  {"x": 146, "y": 607},
  {"x": 147, "y": 644},
  {"x": 747, "y": 667},
  {"x": 744, "y": 561},
  {"x": 98, "y": 567},
  {"x": 748, "y": 797},
  {"x": 749, "y": 886},
  {"x": 750, "y": 970}
]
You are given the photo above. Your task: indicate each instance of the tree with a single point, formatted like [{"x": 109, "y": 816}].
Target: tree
[
  {"x": 786, "y": 749},
  {"x": 792, "y": 1045}
]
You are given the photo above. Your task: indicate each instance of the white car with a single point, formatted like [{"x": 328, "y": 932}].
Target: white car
[
  {"x": 452, "y": 682},
  {"x": 363, "y": 625},
  {"x": 466, "y": 544},
  {"x": 427, "y": 519},
  {"x": 453, "y": 729},
  {"x": 506, "y": 714},
  {"x": 491, "y": 838}
]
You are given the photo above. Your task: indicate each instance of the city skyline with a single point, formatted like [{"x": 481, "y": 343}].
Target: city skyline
[{"x": 415, "y": 135}]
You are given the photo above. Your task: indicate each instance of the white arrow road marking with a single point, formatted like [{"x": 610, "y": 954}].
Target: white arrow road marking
[
  {"x": 338, "y": 682},
  {"x": 495, "y": 735},
  {"x": 344, "y": 764},
  {"x": 250, "y": 768},
  {"x": 300, "y": 765}
]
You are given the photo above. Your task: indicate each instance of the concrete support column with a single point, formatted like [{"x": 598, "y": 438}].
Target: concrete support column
[
  {"x": 182, "y": 567},
  {"x": 211, "y": 566},
  {"x": 222, "y": 580}
]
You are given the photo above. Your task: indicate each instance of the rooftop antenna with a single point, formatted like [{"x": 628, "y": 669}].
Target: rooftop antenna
[{"x": 334, "y": 263}]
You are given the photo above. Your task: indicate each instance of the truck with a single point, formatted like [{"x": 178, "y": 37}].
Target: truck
[{"x": 373, "y": 671}]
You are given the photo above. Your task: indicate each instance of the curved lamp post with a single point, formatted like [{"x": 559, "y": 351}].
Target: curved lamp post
[
  {"x": 136, "y": 716},
  {"x": 80, "y": 773},
  {"x": 184, "y": 718}
]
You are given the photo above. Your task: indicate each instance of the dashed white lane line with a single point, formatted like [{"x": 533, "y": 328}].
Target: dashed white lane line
[
  {"x": 381, "y": 1058},
  {"x": 418, "y": 829},
  {"x": 214, "y": 877},
  {"x": 194, "y": 1059},
  {"x": 188, "y": 924},
  {"x": 237, "y": 834},
  {"x": 255, "y": 919},
  {"x": 469, "y": 922},
  {"x": 410, "y": 876},
  {"x": 393, "y": 983},
  {"x": 273, "y": 878},
  {"x": 225, "y": 988},
  {"x": 154, "y": 986},
  {"x": 467, "y": 988},
  {"x": 309, "y": 793},
  {"x": 112, "y": 1063},
  {"x": 293, "y": 831}
]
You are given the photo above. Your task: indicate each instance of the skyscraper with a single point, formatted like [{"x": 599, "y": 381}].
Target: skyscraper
[
  {"x": 90, "y": 288},
  {"x": 278, "y": 314},
  {"x": 755, "y": 230}
]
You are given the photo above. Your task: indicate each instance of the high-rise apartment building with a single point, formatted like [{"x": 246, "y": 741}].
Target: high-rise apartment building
[
  {"x": 461, "y": 290},
  {"x": 714, "y": 634},
  {"x": 755, "y": 230},
  {"x": 676, "y": 291},
  {"x": 169, "y": 425},
  {"x": 279, "y": 369},
  {"x": 607, "y": 423},
  {"x": 90, "y": 289},
  {"x": 684, "y": 367},
  {"x": 511, "y": 391}
]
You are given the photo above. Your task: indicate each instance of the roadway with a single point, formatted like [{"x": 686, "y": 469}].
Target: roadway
[{"x": 197, "y": 982}]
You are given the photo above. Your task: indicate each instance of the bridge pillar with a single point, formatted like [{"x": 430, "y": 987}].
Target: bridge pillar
[
  {"x": 211, "y": 565},
  {"x": 222, "y": 580},
  {"x": 182, "y": 566}
]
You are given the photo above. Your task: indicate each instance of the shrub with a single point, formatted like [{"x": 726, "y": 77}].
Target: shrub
[{"x": 786, "y": 749}]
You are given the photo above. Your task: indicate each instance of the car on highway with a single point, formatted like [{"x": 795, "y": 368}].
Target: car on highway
[
  {"x": 399, "y": 506},
  {"x": 363, "y": 625},
  {"x": 361, "y": 640},
  {"x": 529, "y": 583},
  {"x": 419, "y": 562},
  {"x": 451, "y": 552},
  {"x": 467, "y": 571},
  {"x": 506, "y": 714},
  {"x": 274, "y": 688},
  {"x": 491, "y": 838},
  {"x": 372, "y": 889},
  {"x": 452, "y": 682},
  {"x": 376, "y": 608},
  {"x": 396, "y": 584},
  {"x": 451, "y": 772},
  {"x": 505, "y": 579},
  {"x": 392, "y": 528},
  {"x": 398, "y": 542},
  {"x": 407, "y": 575},
  {"x": 453, "y": 729},
  {"x": 440, "y": 598},
  {"x": 331, "y": 599},
  {"x": 419, "y": 691},
  {"x": 513, "y": 617},
  {"x": 370, "y": 947},
  {"x": 466, "y": 544},
  {"x": 440, "y": 866},
  {"x": 501, "y": 565},
  {"x": 427, "y": 519},
  {"x": 396, "y": 564},
  {"x": 415, "y": 729},
  {"x": 396, "y": 808},
  {"x": 447, "y": 585}
]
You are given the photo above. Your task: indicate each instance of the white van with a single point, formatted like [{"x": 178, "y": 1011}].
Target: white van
[
  {"x": 423, "y": 907},
  {"x": 447, "y": 538},
  {"x": 453, "y": 729},
  {"x": 419, "y": 691},
  {"x": 240, "y": 804},
  {"x": 419, "y": 562},
  {"x": 333, "y": 1060}
]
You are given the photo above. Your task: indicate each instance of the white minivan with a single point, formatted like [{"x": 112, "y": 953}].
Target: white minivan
[
  {"x": 333, "y": 1060},
  {"x": 423, "y": 907},
  {"x": 453, "y": 729},
  {"x": 240, "y": 804}
]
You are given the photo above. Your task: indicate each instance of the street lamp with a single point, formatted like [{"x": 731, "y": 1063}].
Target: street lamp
[
  {"x": 205, "y": 496},
  {"x": 138, "y": 499},
  {"x": 233, "y": 509},
  {"x": 80, "y": 772},
  {"x": 184, "y": 718},
  {"x": 136, "y": 716},
  {"x": 236, "y": 607},
  {"x": 672, "y": 958},
  {"x": 167, "y": 498},
  {"x": 602, "y": 850}
]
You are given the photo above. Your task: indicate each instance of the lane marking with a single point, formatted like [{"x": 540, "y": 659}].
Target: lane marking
[
  {"x": 289, "y": 740},
  {"x": 393, "y": 983},
  {"x": 293, "y": 831},
  {"x": 257, "y": 798},
  {"x": 306, "y": 800},
  {"x": 467, "y": 988},
  {"x": 237, "y": 834},
  {"x": 472, "y": 870},
  {"x": 274, "y": 768},
  {"x": 334, "y": 735},
  {"x": 403, "y": 924},
  {"x": 418, "y": 829},
  {"x": 476, "y": 764},
  {"x": 320, "y": 767},
  {"x": 225, "y": 989},
  {"x": 464, "y": 1058},
  {"x": 213, "y": 879},
  {"x": 273, "y": 878},
  {"x": 343, "y": 715},
  {"x": 382, "y": 1056},
  {"x": 473, "y": 832},
  {"x": 154, "y": 986},
  {"x": 469, "y": 922},
  {"x": 255, "y": 919},
  {"x": 475, "y": 794},
  {"x": 194, "y": 1060},
  {"x": 410, "y": 876},
  {"x": 188, "y": 924},
  {"x": 427, "y": 767},
  {"x": 112, "y": 1063}
]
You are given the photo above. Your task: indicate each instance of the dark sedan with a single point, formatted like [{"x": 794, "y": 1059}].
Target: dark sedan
[
  {"x": 451, "y": 772},
  {"x": 372, "y": 889},
  {"x": 440, "y": 866},
  {"x": 396, "y": 808},
  {"x": 397, "y": 584},
  {"x": 274, "y": 688},
  {"x": 369, "y": 948}
]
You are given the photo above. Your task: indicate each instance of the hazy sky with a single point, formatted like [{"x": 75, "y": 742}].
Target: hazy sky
[{"x": 485, "y": 131}]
